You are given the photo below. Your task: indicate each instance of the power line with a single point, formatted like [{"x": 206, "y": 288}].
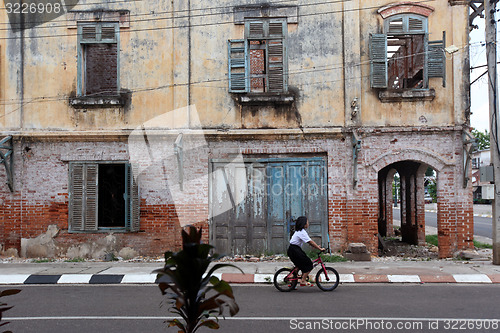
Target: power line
[
  {"x": 208, "y": 24},
  {"x": 43, "y": 99}
]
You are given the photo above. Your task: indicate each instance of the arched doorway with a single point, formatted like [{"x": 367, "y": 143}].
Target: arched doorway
[{"x": 410, "y": 192}]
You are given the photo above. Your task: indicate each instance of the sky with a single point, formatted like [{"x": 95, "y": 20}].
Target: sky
[{"x": 479, "y": 90}]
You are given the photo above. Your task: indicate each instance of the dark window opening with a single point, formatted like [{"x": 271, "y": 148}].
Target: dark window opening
[
  {"x": 405, "y": 61},
  {"x": 111, "y": 202}
]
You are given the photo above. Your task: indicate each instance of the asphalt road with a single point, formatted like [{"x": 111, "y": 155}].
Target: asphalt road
[
  {"x": 350, "y": 308},
  {"x": 482, "y": 225}
]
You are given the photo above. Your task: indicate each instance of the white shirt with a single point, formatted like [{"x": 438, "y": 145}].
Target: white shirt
[{"x": 300, "y": 237}]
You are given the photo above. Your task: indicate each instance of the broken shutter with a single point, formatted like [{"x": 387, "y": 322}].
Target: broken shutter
[
  {"x": 276, "y": 55},
  {"x": 378, "y": 60},
  {"x": 436, "y": 61},
  {"x": 131, "y": 201},
  {"x": 238, "y": 68},
  {"x": 83, "y": 197}
]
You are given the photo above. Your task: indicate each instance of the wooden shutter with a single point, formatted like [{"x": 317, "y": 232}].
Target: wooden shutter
[
  {"x": 98, "y": 32},
  {"x": 378, "y": 60},
  {"x": 276, "y": 56},
  {"x": 87, "y": 33},
  {"x": 238, "y": 67},
  {"x": 132, "y": 201},
  {"x": 109, "y": 32},
  {"x": 76, "y": 197},
  {"x": 255, "y": 29},
  {"x": 436, "y": 61},
  {"x": 83, "y": 197},
  {"x": 91, "y": 195}
]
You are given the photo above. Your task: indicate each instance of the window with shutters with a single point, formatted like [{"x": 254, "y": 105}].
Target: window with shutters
[
  {"x": 103, "y": 197},
  {"x": 403, "y": 58},
  {"x": 98, "y": 59},
  {"x": 258, "y": 63}
]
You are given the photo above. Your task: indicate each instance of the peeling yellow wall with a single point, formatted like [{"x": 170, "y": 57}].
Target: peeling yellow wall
[{"x": 155, "y": 68}]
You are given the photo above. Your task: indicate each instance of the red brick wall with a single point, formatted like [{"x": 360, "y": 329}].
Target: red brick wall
[{"x": 41, "y": 183}]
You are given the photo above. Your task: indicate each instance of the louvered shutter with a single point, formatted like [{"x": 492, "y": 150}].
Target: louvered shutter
[
  {"x": 378, "y": 60},
  {"x": 91, "y": 196},
  {"x": 83, "y": 197},
  {"x": 238, "y": 68},
  {"x": 415, "y": 24},
  {"x": 109, "y": 32},
  {"x": 436, "y": 61},
  {"x": 255, "y": 29},
  {"x": 98, "y": 32},
  {"x": 132, "y": 201},
  {"x": 87, "y": 33},
  {"x": 276, "y": 56},
  {"x": 76, "y": 197}
]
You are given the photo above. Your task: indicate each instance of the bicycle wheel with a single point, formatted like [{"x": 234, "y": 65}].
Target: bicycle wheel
[
  {"x": 285, "y": 280},
  {"x": 327, "y": 283}
]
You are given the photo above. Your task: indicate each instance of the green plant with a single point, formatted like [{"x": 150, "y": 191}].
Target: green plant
[
  {"x": 41, "y": 261},
  {"x": 4, "y": 307},
  {"x": 75, "y": 260},
  {"x": 480, "y": 245},
  {"x": 432, "y": 239},
  {"x": 196, "y": 297},
  {"x": 313, "y": 254}
]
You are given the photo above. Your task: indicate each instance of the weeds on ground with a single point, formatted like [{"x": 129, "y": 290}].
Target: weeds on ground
[
  {"x": 480, "y": 245},
  {"x": 42, "y": 261},
  {"x": 432, "y": 239},
  {"x": 75, "y": 260},
  {"x": 313, "y": 254}
]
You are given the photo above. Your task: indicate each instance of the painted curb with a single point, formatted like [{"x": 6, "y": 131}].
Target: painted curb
[{"x": 20, "y": 279}]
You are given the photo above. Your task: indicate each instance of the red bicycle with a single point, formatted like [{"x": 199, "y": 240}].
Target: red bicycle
[{"x": 327, "y": 278}]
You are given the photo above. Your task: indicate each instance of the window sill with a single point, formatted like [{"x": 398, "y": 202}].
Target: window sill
[
  {"x": 87, "y": 102},
  {"x": 102, "y": 231},
  {"x": 265, "y": 98},
  {"x": 391, "y": 96}
]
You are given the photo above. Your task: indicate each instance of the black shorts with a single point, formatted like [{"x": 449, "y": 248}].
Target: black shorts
[{"x": 299, "y": 258}]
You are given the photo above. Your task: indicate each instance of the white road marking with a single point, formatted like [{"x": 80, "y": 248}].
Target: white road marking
[{"x": 244, "y": 318}]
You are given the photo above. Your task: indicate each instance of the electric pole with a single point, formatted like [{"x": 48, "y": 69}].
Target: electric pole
[{"x": 491, "y": 57}]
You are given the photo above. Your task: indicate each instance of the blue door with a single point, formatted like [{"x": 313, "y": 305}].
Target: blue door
[
  {"x": 297, "y": 187},
  {"x": 254, "y": 203}
]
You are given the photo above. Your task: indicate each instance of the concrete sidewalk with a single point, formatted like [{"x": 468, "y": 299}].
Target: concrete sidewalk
[{"x": 377, "y": 271}]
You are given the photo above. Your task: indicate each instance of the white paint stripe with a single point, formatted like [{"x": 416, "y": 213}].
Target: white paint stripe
[
  {"x": 13, "y": 278},
  {"x": 404, "y": 278},
  {"x": 245, "y": 318},
  {"x": 347, "y": 278},
  {"x": 471, "y": 278},
  {"x": 139, "y": 278},
  {"x": 74, "y": 278},
  {"x": 263, "y": 278}
]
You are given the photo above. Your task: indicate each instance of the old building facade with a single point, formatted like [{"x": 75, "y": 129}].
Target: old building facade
[{"x": 137, "y": 118}]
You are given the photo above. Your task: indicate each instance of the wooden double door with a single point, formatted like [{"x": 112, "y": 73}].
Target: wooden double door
[{"x": 253, "y": 203}]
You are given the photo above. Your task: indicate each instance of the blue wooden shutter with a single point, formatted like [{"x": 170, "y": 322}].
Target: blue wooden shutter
[
  {"x": 436, "y": 61},
  {"x": 238, "y": 68},
  {"x": 83, "y": 196},
  {"x": 378, "y": 60},
  {"x": 276, "y": 55},
  {"x": 76, "y": 197},
  {"x": 132, "y": 201}
]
